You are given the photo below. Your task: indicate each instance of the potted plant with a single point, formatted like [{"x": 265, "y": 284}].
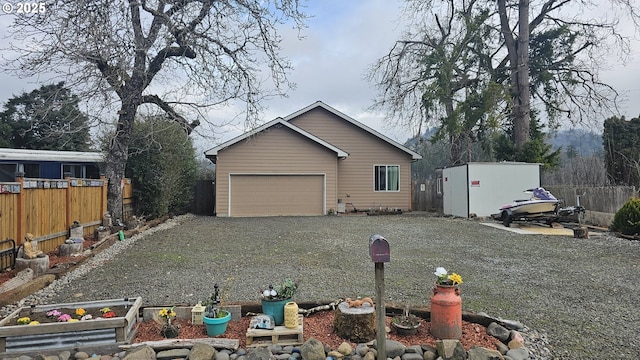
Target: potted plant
[
  {"x": 214, "y": 318},
  {"x": 168, "y": 330},
  {"x": 406, "y": 324},
  {"x": 275, "y": 298}
]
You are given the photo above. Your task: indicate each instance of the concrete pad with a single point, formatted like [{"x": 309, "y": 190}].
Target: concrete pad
[{"x": 531, "y": 229}]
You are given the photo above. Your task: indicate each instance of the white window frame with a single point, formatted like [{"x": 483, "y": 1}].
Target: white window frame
[{"x": 386, "y": 183}]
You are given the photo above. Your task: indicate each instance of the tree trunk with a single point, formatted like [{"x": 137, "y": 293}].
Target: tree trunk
[
  {"x": 522, "y": 118},
  {"x": 519, "y": 63},
  {"x": 116, "y": 160}
]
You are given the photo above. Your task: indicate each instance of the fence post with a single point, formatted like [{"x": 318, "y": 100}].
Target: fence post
[
  {"x": 67, "y": 217},
  {"x": 21, "y": 216},
  {"x": 103, "y": 203}
]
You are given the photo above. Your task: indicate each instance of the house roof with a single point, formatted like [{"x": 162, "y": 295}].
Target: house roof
[
  {"x": 212, "y": 153},
  {"x": 320, "y": 104},
  {"x": 49, "y": 155}
]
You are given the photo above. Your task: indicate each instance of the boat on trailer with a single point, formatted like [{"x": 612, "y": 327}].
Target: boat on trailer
[{"x": 541, "y": 205}]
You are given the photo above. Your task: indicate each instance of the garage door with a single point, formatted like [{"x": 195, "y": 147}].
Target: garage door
[{"x": 276, "y": 195}]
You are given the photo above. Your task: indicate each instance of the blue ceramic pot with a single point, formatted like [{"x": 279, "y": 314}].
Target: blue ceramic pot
[
  {"x": 275, "y": 308},
  {"x": 216, "y": 326}
]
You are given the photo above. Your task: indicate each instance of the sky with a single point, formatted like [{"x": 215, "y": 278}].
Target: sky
[{"x": 341, "y": 41}]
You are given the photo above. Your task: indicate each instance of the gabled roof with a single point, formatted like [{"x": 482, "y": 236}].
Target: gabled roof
[
  {"x": 50, "y": 155},
  {"x": 320, "y": 104},
  {"x": 213, "y": 153}
]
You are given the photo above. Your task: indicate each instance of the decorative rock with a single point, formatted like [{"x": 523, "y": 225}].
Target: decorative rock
[
  {"x": 427, "y": 347},
  {"x": 81, "y": 355},
  {"x": 201, "y": 351},
  {"x": 428, "y": 355},
  {"x": 515, "y": 344},
  {"x": 451, "y": 350},
  {"x": 312, "y": 349},
  {"x": 518, "y": 354},
  {"x": 345, "y": 348},
  {"x": 394, "y": 348},
  {"x": 480, "y": 353},
  {"x": 335, "y": 354},
  {"x": 362, "y": 349},
  {"x": 65, "y": 355},
  {"x": 172, "y": 354},
  {"x": 221, "y": 355},
  {"x": 516, "y": 336},
  {"x": 140, "y": 352},
  {"x": 287, "y": 349},
  {"x": 512, "y": 324},
  {"x": 414, "y": 349},
  {"x": 370, "y": 356},
  {"x": 411, "y": 356},
  {"x": 498, "y": 331},
  {"x": 502, "y": 348},
  {"x": 282, "y": 356},
  {"x": 261, "y": 353}
]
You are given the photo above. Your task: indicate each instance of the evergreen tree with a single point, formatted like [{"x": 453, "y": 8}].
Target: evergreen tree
[
  {"x": 47, "y": 118},
  {"x": 622, "y": 153},
  {"x": 163, "y": 167}
]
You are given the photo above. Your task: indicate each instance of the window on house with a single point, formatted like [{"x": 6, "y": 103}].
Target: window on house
[
  {"x": 74, "y": 171},
  {"x": 8, "y": 172},
  {"x": 32, "y": 170},
  {"x": 387, "y": 178}
]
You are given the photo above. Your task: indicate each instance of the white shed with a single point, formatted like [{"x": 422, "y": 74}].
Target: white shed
[{"x": 482, "y": 188}]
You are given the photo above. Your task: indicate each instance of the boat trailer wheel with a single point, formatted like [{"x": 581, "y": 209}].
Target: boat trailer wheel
[{"x": 506, "y": 218}]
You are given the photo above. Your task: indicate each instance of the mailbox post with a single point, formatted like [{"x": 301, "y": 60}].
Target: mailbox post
[{"x": 380, "y": 253}]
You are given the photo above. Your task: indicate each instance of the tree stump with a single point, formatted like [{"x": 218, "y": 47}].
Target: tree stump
[
  {"x": 357, "y": 324},
  {"x": 39, "y": 265},
  {"x": 581, "y": 232},
  {"x": 70, "y": 249}
]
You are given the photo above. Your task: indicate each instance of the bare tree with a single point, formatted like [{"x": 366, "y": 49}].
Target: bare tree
[
  {"x": 177, "y": 57},
  {"x": 545, "y": 54}
]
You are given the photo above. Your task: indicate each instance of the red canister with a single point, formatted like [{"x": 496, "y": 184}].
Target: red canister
[{"x": 446, "y": 312}]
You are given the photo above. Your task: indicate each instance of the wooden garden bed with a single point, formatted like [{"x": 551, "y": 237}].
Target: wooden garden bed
[{"x": 115, "y": 330}]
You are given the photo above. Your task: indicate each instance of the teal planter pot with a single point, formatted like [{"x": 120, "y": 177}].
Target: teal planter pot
[
  {"x": 216, "y": 326},
  {"x": 275, "y": 308}
]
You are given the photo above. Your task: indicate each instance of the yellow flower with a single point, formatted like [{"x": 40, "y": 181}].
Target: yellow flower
[
  {"x": 105, "y": 310},
  {"x": 34, "y": 323},
  {"x": 455, "y": 278},
  {"x": 80, "y": 312},
  {"x": 166, "y": 313},
  {"x": 73, "y": 320},
  {"x": 24, "y": 320}
]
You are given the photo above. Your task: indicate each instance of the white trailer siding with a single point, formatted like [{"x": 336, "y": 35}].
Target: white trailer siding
[
  {"x": 493, "y": 185},
  {"x": 454, "y": 191},
  {"x": 482, "y": 188}
]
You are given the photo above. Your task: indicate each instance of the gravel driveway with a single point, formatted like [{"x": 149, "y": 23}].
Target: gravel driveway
[{"x": 583, "y": 293}]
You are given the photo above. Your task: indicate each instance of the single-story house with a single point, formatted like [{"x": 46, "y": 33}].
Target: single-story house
[
  {"x": 49, "y": 164},
  {"x": 313, "y": 162}
]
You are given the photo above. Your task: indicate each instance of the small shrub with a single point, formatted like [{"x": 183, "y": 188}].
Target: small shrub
[{"x": 627, "y": 219}]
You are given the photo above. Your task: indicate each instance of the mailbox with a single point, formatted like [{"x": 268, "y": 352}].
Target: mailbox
[{"x": 379, "y": 249}]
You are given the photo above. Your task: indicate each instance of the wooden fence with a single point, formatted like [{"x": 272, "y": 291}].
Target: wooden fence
[
  {"x": 425, "y": 196},
  {"x": 48, "y": 207}
]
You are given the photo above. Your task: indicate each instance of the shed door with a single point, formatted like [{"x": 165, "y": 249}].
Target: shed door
[{"x": 276, "y": 195}]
